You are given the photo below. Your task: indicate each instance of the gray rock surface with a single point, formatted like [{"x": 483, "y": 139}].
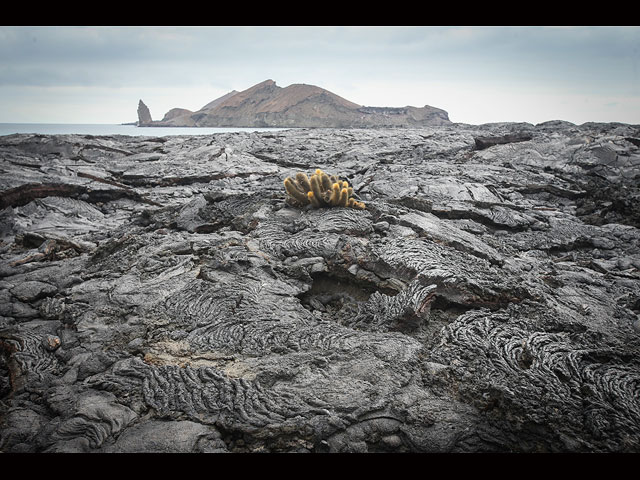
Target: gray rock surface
[
  {"x": 160, "y": 294},
  {"x": 144, "y": 115}
]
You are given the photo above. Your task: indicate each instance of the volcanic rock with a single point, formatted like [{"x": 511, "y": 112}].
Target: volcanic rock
[
  {"x": 144, "y": 115},
  {"x": 213, "y": 104},
  {"x": 162, "y": 295},
  {"x": 176, "y": 113},
  {"x": 298, "y": 105}
]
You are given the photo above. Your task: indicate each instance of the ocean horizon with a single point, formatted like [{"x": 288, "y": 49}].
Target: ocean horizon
[{"x": 117, "y": 129}]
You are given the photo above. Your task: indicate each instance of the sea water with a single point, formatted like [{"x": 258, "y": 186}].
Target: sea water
[{"x": 115, "y": 129}]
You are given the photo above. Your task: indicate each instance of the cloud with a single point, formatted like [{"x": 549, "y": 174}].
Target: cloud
[
  {"x": 90, "y": 55},
  {"x": 379, "y": 66}
]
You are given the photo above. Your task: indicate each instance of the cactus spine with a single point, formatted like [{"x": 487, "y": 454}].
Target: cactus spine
[
  {"x": 293, "y": 190},
  {"x": 343, "y": 201},
  {"x": 335, "y": 195},
  {"x": 313, "y": 200},
  {"x": 325, "y": 181},
  {"x": 303, "y": 181},
  {"x": 320, "y": 190},
  {"x": 316, "y": 188}
]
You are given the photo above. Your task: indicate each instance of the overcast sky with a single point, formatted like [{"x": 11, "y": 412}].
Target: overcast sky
[{"x": 477, "y": 74}]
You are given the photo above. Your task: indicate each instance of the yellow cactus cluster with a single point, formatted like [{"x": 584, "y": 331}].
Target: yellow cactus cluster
[{"x": 321, "y": 190}]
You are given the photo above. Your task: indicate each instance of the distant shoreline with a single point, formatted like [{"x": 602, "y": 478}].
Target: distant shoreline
[{"x": 105, "y": 129}]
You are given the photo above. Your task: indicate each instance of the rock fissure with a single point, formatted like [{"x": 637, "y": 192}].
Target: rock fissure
[{"x": 485, "y": 299}]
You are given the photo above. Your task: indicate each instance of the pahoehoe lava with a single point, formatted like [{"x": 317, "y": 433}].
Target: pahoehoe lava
[{"x": 162, "y": 295}]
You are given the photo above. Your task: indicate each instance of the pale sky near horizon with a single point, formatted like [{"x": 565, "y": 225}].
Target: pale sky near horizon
[{"x": 477, "y": 74}]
